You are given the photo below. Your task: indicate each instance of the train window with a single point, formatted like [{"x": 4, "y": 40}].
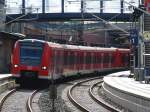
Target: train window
[
  {"x": 88, "y": 58},
  {"x": 94, "y": 58},
  {"x": 110, "y": 59},
  {"x": 124, "y": 58},
  {"x": 79, "y": 58},
  {"x": 71, "y": 58},
  {"x": 98, "y": 60},
  {"x": 55, "y": 59},
  {"x": 65, "y": 58},
  {"x": 84, "y": 57},
  {"x": 106, "y": 58},
  {"x": 31, "y": 55}
]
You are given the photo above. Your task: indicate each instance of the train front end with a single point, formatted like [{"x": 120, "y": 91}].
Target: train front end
[{"x": 30, "y": 59}]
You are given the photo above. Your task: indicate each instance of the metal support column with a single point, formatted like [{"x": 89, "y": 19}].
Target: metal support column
[
  {"x": 101, "y": 6},
  {"x": 43, "y": 6},
  {"x": 122, "y": 6},
  {"x": 23, "y": 7},
  {"x": 82, "y": 7},
  {"x": 53, "y": 89},
  {"x": 141, "y": 45},
  {"x": 140, "y": 48},
  {"x": 62, "y": 6}
]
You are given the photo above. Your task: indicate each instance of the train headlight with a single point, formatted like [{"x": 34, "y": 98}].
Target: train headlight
[
  {"x": 44, "y": 68},
  {"x": 15, "y": 66}
]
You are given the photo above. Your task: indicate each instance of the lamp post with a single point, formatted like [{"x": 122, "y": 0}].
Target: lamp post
[{"x": 53, "y": 89}]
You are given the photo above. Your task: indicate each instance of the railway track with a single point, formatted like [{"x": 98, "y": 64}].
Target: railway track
[
  {"x": 93, "y": 92},
  {"x": 5, "y": 97},
  {"x": 18, "y": 100},
  {"x": 29, "y": 102},
  {"x": 82, "y": 95}
]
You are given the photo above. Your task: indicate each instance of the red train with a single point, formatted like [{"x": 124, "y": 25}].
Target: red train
[{"x": 34, "y": 58}]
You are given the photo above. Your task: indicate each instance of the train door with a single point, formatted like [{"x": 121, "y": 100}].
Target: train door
[
  {"x": 69, "y": 61},
  {"x": 72, "y": 60},
  {"x": 81, "y": 60},
  {"x": 117, "y": 58},
  {"x": 122, "y": 59},
  {"x": 88, "y": 60},
  {"x": 65, "y": 66},
  {"x": 57, "y": 63},
  {"x": 61, "y": 61},
  {"x": 125, "y": 59}
]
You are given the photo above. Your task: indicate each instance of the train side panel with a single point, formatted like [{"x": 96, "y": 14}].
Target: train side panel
[{"x": 58, "y": 63}]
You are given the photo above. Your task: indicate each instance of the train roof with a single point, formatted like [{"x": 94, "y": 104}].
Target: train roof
[
  {"x": 121, "y": 49},
  {"x": 73, "y": 47}
]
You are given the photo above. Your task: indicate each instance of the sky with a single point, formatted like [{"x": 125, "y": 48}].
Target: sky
[{"x": 54, "y": 6}]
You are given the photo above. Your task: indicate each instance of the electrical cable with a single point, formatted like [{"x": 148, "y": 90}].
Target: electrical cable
[{"x": 106, "y": 22}]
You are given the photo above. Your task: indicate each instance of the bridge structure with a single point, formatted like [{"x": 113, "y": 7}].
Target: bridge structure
[{"x": 64, "y": 10}]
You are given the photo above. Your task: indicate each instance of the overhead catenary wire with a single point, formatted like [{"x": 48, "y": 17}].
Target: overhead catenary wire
[
  {"x": 92, "y": 14},
  {"x": 107, "y": 22},
  {"x": 18, "y": 18},
  {"x": 13, "y": 20}
]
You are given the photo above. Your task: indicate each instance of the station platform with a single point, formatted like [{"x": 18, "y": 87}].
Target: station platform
[
  {"x": 4, "y": 76},
  {"x": 128, "y": 93},
  {"x": 6, "y": 82}
]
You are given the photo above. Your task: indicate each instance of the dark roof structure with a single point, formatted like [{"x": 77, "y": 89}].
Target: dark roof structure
[{"x": 14, "y": 36}]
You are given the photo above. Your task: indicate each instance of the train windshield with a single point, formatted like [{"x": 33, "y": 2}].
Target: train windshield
[{"x": 31, "y": 53}]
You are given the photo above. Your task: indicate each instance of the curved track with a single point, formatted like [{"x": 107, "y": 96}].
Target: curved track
[
  {"x": 17, "y": 100},
  {"x": 79, "y": 95},
  {"x": 29, "y": 102},
  {"x": 93, "y": 92},
  {"x": 5, "y": 97}
]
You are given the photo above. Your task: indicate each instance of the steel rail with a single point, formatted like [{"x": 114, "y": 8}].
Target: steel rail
[
  {"x": 71, "y": 98},
  {"x": 5, "y": 97},
  {"x": 104, "y": 104},
  {"x": 29, "y": 101}
]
